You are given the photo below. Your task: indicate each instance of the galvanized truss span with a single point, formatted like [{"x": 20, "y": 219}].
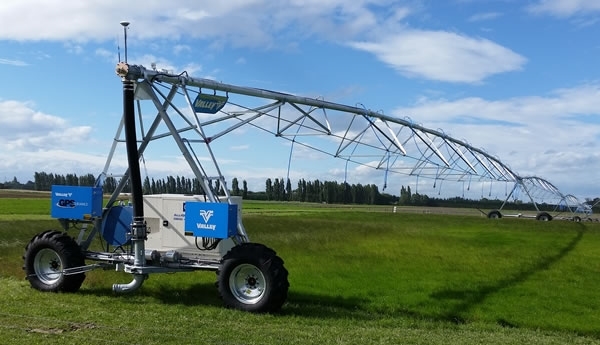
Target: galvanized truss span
[{"x": 210, "y": 110}]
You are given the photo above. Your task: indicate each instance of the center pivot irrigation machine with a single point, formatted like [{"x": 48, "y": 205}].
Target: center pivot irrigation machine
[
  {"x": 178, "y": 233},
  {"x": 156, "y": 233}
]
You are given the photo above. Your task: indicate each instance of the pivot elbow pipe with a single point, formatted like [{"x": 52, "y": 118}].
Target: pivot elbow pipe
[{"x": 138, "y": 280}]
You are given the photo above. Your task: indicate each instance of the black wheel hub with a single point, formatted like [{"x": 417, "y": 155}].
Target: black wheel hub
[{"x": 251, "y": 282}]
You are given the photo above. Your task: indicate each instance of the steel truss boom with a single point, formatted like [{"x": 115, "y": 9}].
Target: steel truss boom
[{"x": 351, "y": 133}]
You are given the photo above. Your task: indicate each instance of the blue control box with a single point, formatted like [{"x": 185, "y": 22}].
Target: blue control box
[
  {"x": 207, "y": 219},
  {"x": 74, "y": 202}
]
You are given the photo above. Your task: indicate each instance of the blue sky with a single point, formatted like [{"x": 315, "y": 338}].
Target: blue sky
[{"x": 517, "y": 78}]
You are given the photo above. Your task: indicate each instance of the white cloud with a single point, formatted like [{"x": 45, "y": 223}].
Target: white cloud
[
  {"x": 193, "y": 68},
  {"x": 555, "y": 136},
  {"x": 107, "y": 55},
  {"x": 484, "y": 16},
  {"x": 240, "y": 147},
  {"x": 375, "y": 26},
  {"x": 59, "y": 161},
  {"x": 560, "y": 104},
  {"x": 20, "y": 116},
  {"x": 72, "y": 48},
  {"x": 149, "y": 60},
  {"x": 90, "y": 21},
  {"x": 444, "y": 56},
  {"x": 18, "y": 63},
  {"x": 237, "y": 22},
  {"x": 180, "y": 48},
  {"x": 565, "y": 8},
  {"x": 24, "y": 128}
]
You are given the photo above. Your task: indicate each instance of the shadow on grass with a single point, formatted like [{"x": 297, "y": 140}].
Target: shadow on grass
[
  {"x": 324, "y": 306},
  {"x": 471, "y": 297},
  {"x": 206, "y": 294},
  {"x": 203, "y": 294}
]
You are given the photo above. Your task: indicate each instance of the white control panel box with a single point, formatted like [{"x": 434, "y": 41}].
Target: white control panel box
[{"x": 165, "y": 220}]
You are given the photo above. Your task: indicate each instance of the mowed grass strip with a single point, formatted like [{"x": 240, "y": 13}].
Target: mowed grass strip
[
  {"x": 24, "y": 206},
  {"x": 355, "y": 277},
  {"x": 449, "y": 268}
]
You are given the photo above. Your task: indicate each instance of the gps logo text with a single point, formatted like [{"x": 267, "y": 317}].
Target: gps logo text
[{"x": 66, "y": 203}]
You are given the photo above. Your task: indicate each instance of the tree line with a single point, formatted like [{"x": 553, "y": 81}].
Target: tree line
[
  {"x": 43, "y": 181},
  {"x": 277, "y": 189},
  {"x": 330, "y": 192}
]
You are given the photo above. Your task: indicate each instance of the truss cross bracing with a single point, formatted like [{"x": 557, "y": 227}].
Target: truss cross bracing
[{"x": 198, "y": 112}]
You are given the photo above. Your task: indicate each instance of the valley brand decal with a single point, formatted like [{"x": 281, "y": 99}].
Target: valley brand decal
[
  {"x": 209, "y": 104},
  {"x": 206, "y": 215}
]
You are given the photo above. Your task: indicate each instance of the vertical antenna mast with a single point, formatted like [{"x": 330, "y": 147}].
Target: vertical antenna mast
[{"x": 125, "y": 24}]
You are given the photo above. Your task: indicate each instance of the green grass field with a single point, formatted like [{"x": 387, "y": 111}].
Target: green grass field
[{"x": 358, "y": 275}]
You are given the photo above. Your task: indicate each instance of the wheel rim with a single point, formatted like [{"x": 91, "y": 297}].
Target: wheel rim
[
  {"x": 48, "y": 266},
  {"x": 247, "y": 283},
  {"x": 494, "y": 215}
]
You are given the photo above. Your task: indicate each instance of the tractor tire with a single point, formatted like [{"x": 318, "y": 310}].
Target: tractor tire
[
  {"x": 544, "y": 217},
  {"x": 47, "y": 255},
  {"x": 577, "y": 219},
  {"x": 252, "y": 278},
  {"x": 494, "y": 214}
]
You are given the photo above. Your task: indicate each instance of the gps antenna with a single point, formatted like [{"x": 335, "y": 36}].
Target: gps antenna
[{"x": 125, "y": 24}]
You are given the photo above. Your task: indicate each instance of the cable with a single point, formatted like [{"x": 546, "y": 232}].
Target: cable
[{"x": 208, "y": 243}]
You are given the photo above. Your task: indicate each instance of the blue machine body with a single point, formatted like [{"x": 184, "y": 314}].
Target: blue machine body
[
  {"x": 214, "y": 220},
  {"x": 116, "y": 225},
  {"x": 76, "y": 202}
]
